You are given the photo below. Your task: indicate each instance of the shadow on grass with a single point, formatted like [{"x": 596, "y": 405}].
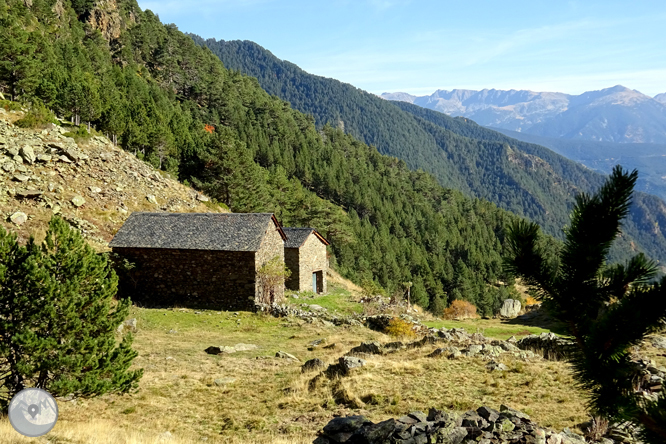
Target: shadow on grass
[{"x": 539, "y": 318}]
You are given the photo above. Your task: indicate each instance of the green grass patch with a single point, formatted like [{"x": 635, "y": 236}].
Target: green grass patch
[{"x": 336, "y": 301}]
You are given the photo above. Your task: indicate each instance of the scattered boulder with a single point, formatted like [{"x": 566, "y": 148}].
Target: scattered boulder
[
  {"x": 285, "y": 355},
  {"x": 350, "y": 362},
  {"x": 152, "y": 199},
  {"x": 510, "y": 308},
  {"x": 78, "y": 201},
  {"x": 373, "y": 348},
  {"x": 313, "y": 364},
  {"x": 46, "y": 158},
  {"x": 213, "y": 350},
  {"x": 28, "y": 154},
  {"x": 496, "y": 366},
  {"x": 19, "y": 218}
]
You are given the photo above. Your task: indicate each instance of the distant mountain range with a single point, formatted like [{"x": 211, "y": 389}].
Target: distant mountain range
[
  {"x": 616, "y": 114},
  {"x": 524, "y": 178}
]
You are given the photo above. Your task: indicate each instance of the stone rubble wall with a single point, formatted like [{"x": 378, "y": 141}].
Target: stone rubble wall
[{"x": 483, "y": 425}]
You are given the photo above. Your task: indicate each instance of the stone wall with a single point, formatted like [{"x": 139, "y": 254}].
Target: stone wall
[
  {"x": 219, "y": 280},
  {"x": 311, "y": 258},
  {"x": 272, "y": 245},
  {"x": 304, "y": 261}
]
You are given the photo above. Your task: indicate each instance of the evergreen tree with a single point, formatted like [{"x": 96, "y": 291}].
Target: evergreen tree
[
  {"x": 607, "y": 309},
  {"x": 58, "y": 318}
]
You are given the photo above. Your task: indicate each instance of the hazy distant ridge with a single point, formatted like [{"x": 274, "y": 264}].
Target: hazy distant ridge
[{"x": 616, "y": 114}]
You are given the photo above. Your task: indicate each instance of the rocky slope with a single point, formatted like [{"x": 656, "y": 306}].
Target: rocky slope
[
  {"x": 93, "y": 184},
  {"x": 616, "y": 114}
]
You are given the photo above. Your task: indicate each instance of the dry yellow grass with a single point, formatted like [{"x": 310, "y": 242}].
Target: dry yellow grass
[{"x": 270, "y": 400}]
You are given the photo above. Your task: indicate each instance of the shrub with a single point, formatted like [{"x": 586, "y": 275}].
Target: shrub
[
  {"x": 58, "y": 318},
  {"x": 460, "y": 310},
  {"x": 399, "y": 328},
  {"x": 272, "y": 275},
  {"x": 81, "y": 133},
  {"x": 531, "y": 301},
  {"x": 8, "y": 105},
  {"x": 38, "y": 116}
]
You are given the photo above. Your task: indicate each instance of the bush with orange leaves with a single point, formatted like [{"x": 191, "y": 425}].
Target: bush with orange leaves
[
  {"x": 400, "y": 328},
  {"x": 530, "y": 301},
  {"x": 460, "y": 310}
]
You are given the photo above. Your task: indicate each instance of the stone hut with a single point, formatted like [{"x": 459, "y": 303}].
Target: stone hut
[
  {"x": 198, "y": 259},
  {"x": 305, "y": 256}
]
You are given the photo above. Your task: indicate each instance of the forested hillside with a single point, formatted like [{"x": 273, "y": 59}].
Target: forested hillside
[
  {"x": 173, "y": 104},
  {"x": 524, "y": 178}
]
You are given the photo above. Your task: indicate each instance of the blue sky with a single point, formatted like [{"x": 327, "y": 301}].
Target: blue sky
[{"x": 420, "y": 46}]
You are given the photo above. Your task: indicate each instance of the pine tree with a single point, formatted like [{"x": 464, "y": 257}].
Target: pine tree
[
  {"x": 58, "y": 318},
  {"x": 607, "y": 309}
]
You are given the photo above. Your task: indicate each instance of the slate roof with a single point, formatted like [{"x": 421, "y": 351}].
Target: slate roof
[
  {"x": 195, "y": 231},
  {"x": 296, "y": 236}
]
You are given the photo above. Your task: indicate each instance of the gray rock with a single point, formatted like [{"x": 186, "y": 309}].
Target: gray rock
[
  {"x": 374, "y": 348},
  {"x": 64, "y": 159},
  {"x": 659, "y": 342},
  {"x": 95, "y": 189},
  {"x": 510, "y": 308},
  {"x": 455, "y": 435},
  {"x": 21, "y": 178},
  {"x": 375, "y": 433},
  {"x": 473, "y": 350},
  {"x": 490, "y": 415},
  {"x": 9, "y": 167},
  {"x": 315, "y": 307},
  {"x": 350, "y": 362},
  {"x": 497, "y": 366},
  {"x": 312, "y": 364},
  {"x": 202, "y": 198},
  {"x": 28, "y": 194},
  {"x": 342, "y": 428},
  {"x": 152, "y": 199},
  {"x": 285, "y": 355},
  {"x": 44, "y": 158},
  {"x": 213, "y": 350},
  {"x": 19, "y": 218},
  {"x": 78, "y": 201},
  {"x": 28, "y": 154}
]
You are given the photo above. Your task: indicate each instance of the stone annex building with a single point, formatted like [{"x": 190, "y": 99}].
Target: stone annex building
[
  {"x": 198, "y": 259},
  {"x": 305, "y": 256}
]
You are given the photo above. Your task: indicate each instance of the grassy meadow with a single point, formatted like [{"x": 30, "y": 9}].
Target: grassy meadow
[{"x": 188, "y": 396}]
